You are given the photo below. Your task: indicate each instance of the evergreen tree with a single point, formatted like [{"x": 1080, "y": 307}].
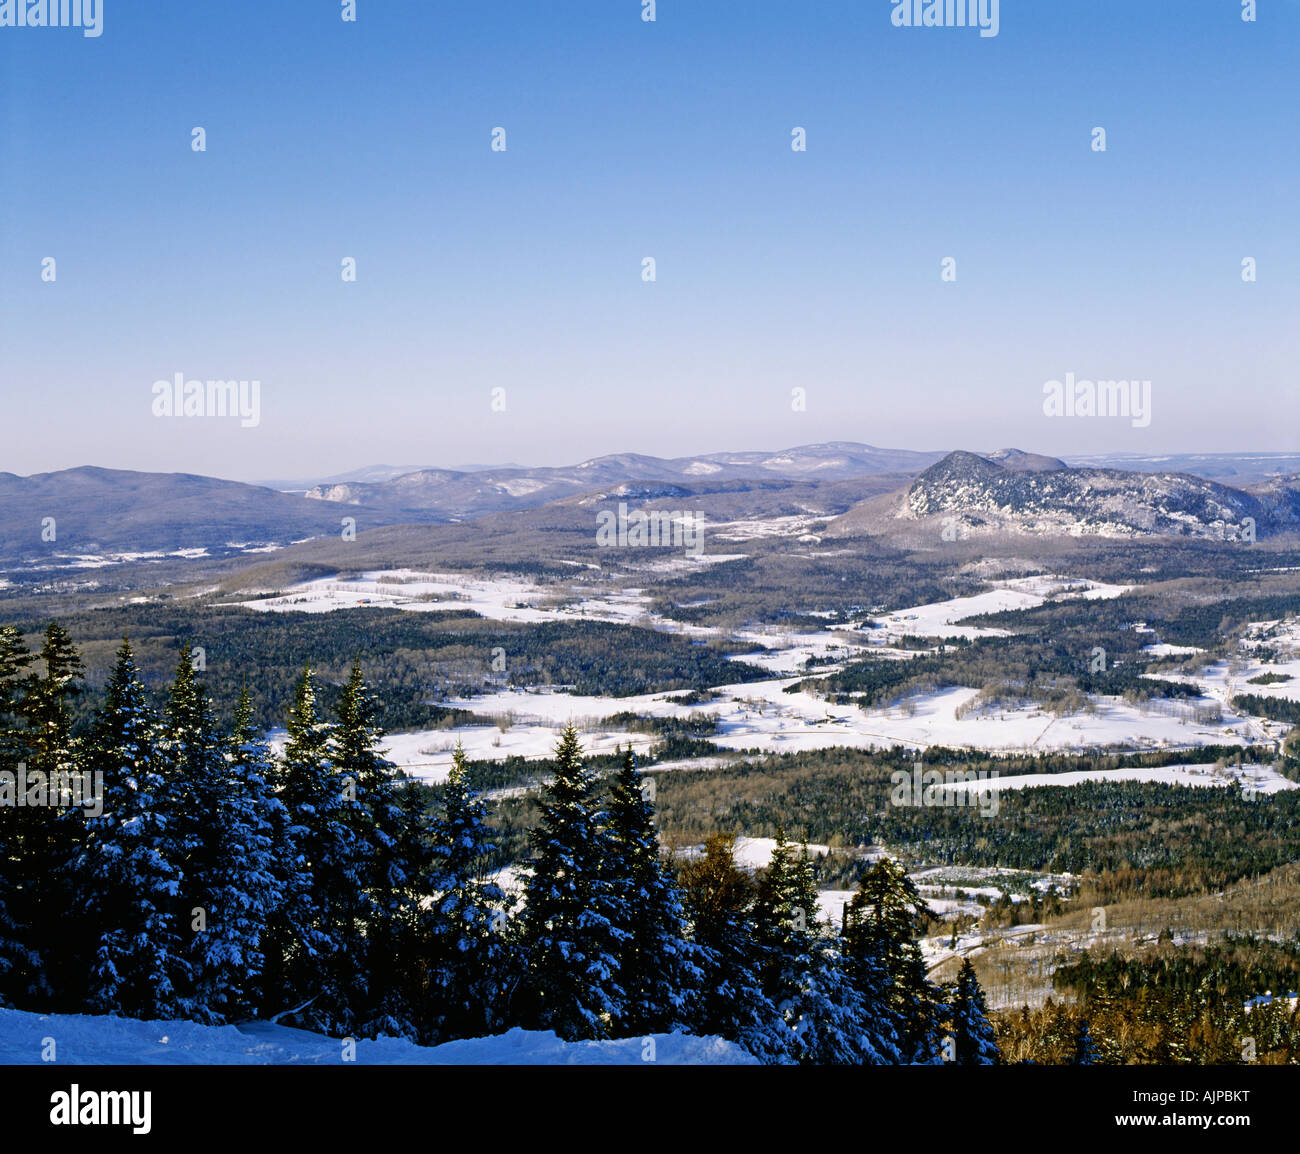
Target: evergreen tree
[
  {"x": 464, "y": 930},
  {"x": 882, "y": 926},
  {"x": 14, "y": 660},
  {"x": 781, "y": 921},
  {"x": 805, "y": 973},
  {"x": 258, "y": 821},
  {"x": 306, "y": 974},
  {"x": 378, "y": 890},
  {"x": 731, "y": 1001},
  {"x": 1085, "y": 1051},
  {"x": 224, "y": 831},
  {"x": 19, "y": 961},
  {"x": 571, "y": 934},
  {"x": 48, "y": 703},
  {"x": 832, "y": 1020},
  {"x": 974, "y": 1042},
  {"x": 47, "y": 838},
  {"x": 658, "y": 967},
  {"x": 127, "y": 867},
  {"x": 404, "y": 976}
]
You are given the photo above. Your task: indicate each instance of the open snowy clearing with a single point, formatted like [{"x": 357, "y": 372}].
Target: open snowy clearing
[
  {"x": 1250, "y": 779},
  {"x": 756, "y": 852},
  {"x": 1222, "y": 680},
  {"x": 761, "y": 715},
  {"x": 938, "y": 619},
  {"x": 427, "y": 754},
  {"x": 103, "y": 1041},
  {"x": 497, "y": 598},
  {"x": 500, "y": 599},
  {"x": 797, "y": 525},
  {"x": 504, "y": 599}
]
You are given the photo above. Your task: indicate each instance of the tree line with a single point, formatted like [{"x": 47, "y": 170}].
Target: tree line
[{"x": 1228, "y": 1002}]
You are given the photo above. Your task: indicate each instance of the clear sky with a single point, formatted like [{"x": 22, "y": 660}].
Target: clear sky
[{"x": 625, "y": 139}]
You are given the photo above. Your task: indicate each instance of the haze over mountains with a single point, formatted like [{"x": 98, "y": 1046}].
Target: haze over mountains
[{"x": 101, "y": 512}]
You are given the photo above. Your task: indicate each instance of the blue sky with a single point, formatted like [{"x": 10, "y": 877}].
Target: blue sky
[{"x": 522, "y": 269}]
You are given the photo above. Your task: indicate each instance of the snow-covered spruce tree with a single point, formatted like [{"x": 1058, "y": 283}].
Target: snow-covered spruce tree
[
  {"x": 49, "y": 837},
  {"x": 400, "y": 973},
  {"x": 225, "y": 832},
  {"x": 47, "y": 704},
  {"x": 781, "y": 927},
  {"x": 252, "y": 776},
  {"x": 127, "y": 871},
  {"x": 18, "y": 960},
  {"x": 804, "y": 971},
  {"x": 658, "y": 967},
  {"x": 719, "y": 899},
  {"x": 463, "y": 931},
  {"x": 571, "y": 932},
  {"x": 305, "y": 937},
  {"x": 386, "y": 812},
  {"x": 384, "y": 878},
  {"x": 882, "y": 926},
  {"x": 974, "y": 1041},
  {"x": 836, "y": 1024}
]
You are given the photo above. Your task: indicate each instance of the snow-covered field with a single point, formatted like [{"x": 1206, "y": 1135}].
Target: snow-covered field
[
  {"x": 501, "y": 599},
  {"x": 1250, "y": 779},
  {"x": 1221, "y": 680},
  {"x": 93, "y": 1040},
  {"x": 761, "y": 715},
  {"x": 427, "y": 754},
  {"x": 756, "y": 852},
  {"x": 496, "y": 598},
  {"x": 937, "y": 620}
]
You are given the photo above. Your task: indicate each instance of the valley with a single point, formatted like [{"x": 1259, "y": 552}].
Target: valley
[{"x": 810, "y": 649}]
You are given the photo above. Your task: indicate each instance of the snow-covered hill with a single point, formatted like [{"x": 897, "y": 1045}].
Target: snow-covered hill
[
  {"x": 81, "y": 1039},
  {"x": 1036, "y": 496}
]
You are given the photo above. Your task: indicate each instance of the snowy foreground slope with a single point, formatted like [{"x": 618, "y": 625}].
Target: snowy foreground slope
[{"x": 92, "y": 1040}]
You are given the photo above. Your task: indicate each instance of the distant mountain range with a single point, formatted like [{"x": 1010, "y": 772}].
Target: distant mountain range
[
  {"x": 369, "y": 473},
  {"x": 448, "y": 494},
  {"x": 105, "y": 513},
  {"x": 838, "y": 460}
]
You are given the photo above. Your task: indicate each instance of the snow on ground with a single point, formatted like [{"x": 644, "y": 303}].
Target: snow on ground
[
  {"x": 995, "y": 879},
  {"x": 830, "y": 905},
  {"x": 761, "y": 715},
  {"x": 104, "y": 560},
  {"x": 1261, "y": 779},
  {"x": 788, "y": 650},
  {"x": 83, "y": 1039},
  {"x": 756, "y": 852},
  {"x": 676, "y": 565},
  {"x": 501, "y": 599},
  {"x": 937, "y": 620},
  {"x": 497, "y": 598},
  {"x": 1222, "y": 680},
  {"x": 750, "y": 529},
  {"x": 426, "y": 754},
  {"x": 1163, "y": 650}
]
